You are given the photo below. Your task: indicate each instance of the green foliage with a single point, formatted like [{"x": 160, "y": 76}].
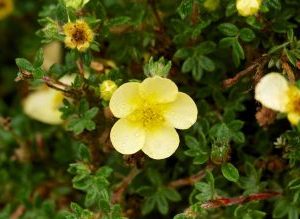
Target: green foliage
[{"x": 72, "y": 171}]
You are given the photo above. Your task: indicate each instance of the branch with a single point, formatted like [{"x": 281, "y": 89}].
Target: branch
[
  {"x": 288, "y": 70},
  {"x": 258, "y": 63},
  {"x": 223, "y": 202},
  {"x": 191, "y": 180},
  {"x": 152, "y": 4},
  {"x": 120, "y": 189}
]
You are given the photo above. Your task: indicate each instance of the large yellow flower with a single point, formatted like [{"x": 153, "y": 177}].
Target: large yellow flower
[
  {"x": 78, "y": 35},
  {"x": 6, "y": 8},
  {"x": 43, "y": 104},
  {"x": 248, "y": 7},
  {"x": 149, "y": 112},
  {"x": 274, "y": 92}
]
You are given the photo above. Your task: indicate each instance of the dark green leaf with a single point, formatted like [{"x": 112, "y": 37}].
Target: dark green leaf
[{"x": 230, "y": 172}]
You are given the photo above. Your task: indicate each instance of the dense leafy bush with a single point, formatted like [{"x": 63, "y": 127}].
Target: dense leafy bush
[{"x": 239, "y": 159}]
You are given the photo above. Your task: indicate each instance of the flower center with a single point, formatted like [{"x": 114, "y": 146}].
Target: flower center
[
  {"x": 79, "y": 35},
  {"x": 149, "y": 115}
]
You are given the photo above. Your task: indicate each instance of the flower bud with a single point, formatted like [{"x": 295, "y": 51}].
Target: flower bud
[
  {"x": 211, "y": 5},
  {"x": 107, "y": 88}
]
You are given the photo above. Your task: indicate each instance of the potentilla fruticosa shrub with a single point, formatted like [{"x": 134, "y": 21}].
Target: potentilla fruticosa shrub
[{"x": 150, "y": 109}]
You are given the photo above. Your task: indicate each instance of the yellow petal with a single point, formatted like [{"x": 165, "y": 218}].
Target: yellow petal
[
  {"x": 294, "y": 118},
  {"x": 161, "y": 142},
  {"x": 42, "y": 105},
  {"x": 182, "y": 113},
  {"x": 158, "y": 90},
  {"x": 127, "y": 137},
  {"x": 69, "y": 43},
  {"x": 83, "y": 47},
  {"x": 52, "y": 54},
  {"x": 248, "y": 7},
  {"x": 125, "y": 99},
  {"x": 272, "y": 91}
]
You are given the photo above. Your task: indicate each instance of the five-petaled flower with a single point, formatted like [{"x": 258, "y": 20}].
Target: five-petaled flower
[
  {"x": 248, "y": 7},
  {"x": 78, "y": 35},
  {"x": 274, "y": 92},
  {"x": 149, "y": 112},
  {"x": 6, "y": 8}
]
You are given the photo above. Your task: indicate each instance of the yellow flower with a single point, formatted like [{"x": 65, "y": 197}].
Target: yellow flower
[
  {"x": 107, "y": 88},
  {"x": 274, "y": 92},
  {"x": 248, "y": 7},
  {"x": 44, "y": 103},
  {"x": 149, "y": 112},
  {"x": 78, "y": 35},
  {"x": 6, "y": 8},
  {"x": 211, "y": 5}
]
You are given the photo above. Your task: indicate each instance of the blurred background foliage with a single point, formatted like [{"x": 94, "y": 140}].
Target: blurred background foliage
[{"x": 237, "y": 161}]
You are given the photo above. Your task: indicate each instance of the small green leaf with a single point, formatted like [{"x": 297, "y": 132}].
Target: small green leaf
[
  {"x": 24, "y": 64},
  {"x": 247, "y": 35},
  {"x": 206, "y": 63},
  {"x": 171, "y": 194},
  {"x": 39, "y": 58},
  {"x": 185, "y": 8},
  {"x": 228, "y": 29},
  {"x": 230, "y": 172}
]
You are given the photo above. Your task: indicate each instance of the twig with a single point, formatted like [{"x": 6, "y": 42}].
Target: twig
[
  {"x": 18, "y": 212},
  {"x": 120, "y": 189},
  {"x": 191, "y": 180},
  {"x": 223, "y": 202},
  {"x": 288, "y": 70},
  {"x": 260, "y": 62}
]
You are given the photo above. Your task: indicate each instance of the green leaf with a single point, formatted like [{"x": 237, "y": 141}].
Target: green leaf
[
  {"x": 182, "y": 53},
  {"x": 171, "y": 194},
  {"x": 237, "y": 53},
  {"x": 148, "y": 205},
  {"x": 228, "y": 29},
  {"x": 117, "y": 21},
  {"x": 247, "y": 35},
  {"x": 206, "y": 47},
  {"x": 24, "y": 64},
  {"x": 188, "y": 65},
  {"x": 206, "y": 63},
  {"x": 185, "y": 8},
  {"x": 39, "y": 58},
  {"x": 162, "y": 204},
  {"x": 230, "y": 172}
]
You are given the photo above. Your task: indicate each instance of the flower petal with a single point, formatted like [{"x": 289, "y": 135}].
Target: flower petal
[
  {"x": 158, "y": 90},
  {"x": 125, "y": 99},
  {"x": 182, "y": 113},
  {"x": 294, "y": 118},
  {"x": 43, "y": 105},
  {"x": 161, "y": 142},
  {"x": 127, "y": 137},
  {"x": 272, "y": 91}
]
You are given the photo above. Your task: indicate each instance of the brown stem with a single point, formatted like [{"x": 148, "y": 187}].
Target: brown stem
[
  {"x": 223, "y": 201},
  {"x": 191, "y": 180},
  {"x": 260, "y": 62},
  {"x": 18, "y": 212},
  {"x": 120, "y": 189},
  {"x": 288, "y": 70}
]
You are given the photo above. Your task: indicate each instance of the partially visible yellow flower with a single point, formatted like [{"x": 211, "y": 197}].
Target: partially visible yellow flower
[
  {"x": 6, "y": 8},
  {"x": 274, "y": 92},
  {"x": 107, "y": 88},
  {"x": 52, "y": 54},
  {"x": 248, "y": 7},
  {"x": 211, "y": 5},
  {"x": 44, "y": 103},
  {"x": 78, "y": 35},
  {"x": 149, "y": 112}
]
